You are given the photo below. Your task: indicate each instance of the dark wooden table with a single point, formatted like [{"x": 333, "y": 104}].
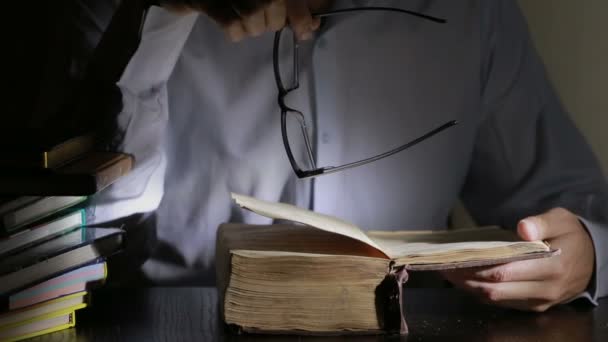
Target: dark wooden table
[{"x": 190, "y": 314}]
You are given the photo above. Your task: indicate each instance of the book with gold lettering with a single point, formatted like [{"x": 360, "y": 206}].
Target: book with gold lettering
[{"x": 322, "y": 275}]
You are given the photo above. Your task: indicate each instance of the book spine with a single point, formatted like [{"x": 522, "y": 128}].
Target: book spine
[
  {"x": 69, "y": 150},
  {"x": 70, "y": 324},
  {"x": 389, "y": 301},
  {"x": 48, "y": 157},
  {"x": 22, "y": 286},
  {"x": 110, "y": 174}
]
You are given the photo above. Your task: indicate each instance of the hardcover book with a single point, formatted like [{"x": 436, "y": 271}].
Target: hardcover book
[
  {"x": 49, "y": 156},
  {"x": 42, "y": 232},
  {"x": 84, "y": 176},
  {"x": 46, "y": 324},
  {"x": 84, "y": 278},
  {"x": 322, "y": 275},
  {"x": 86, "y": 246},
  {"x": 70, "y": 302},
  {"x": 26, "y": 210}
]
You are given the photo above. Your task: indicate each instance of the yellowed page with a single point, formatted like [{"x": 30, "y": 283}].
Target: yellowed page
[
  {"x": 401, "y": 244},
  {"x": 268, "y": 254},
  {"x": 289, "y": 212}
]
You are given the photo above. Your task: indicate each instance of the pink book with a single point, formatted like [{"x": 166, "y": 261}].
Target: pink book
[{"x": 68, "y": 283}]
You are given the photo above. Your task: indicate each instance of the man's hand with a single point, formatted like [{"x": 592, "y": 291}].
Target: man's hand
[
  {"x": 251, "y": 18},
  {"x": 536, "y": 285}
]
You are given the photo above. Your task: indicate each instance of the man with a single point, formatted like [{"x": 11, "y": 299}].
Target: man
[{"x": 200, "y": 115}]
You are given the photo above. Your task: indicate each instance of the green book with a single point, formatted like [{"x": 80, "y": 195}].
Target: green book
[
  {"x": 42, "y": 232},
  {"x": 25, "y": 211}
]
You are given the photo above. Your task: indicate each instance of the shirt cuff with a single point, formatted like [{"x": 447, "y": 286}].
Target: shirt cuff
[{"x": 599, "y": 236}]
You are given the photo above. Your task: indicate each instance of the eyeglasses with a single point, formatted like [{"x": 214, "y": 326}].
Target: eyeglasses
[{"x": 300, "y": 136}]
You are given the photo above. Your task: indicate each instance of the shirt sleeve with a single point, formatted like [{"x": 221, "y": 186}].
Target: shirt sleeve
[
  {"x": 142, "y": 122},
  {"x": 529, "y": 156}
]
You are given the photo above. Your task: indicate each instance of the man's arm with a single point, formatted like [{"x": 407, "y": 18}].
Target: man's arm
[
  {"x": 139, "y": 126},
  {"x": 530, "y": 159}
]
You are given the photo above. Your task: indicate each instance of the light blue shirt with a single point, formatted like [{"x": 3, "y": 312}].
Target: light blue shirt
[{"x": 201, "y": 117}]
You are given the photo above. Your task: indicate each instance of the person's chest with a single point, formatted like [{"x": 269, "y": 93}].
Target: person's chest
[
  {"x": 373, "y": 81},
  {"x": 383, "y": 80}
]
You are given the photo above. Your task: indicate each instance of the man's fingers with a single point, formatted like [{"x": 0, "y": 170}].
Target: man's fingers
[
  {"x": 245, "y": 8},
  {"x": 549, "y": 225},
  {"x": 514, "y": 291},
  {"x": 235, "y": 31},
  {"x": 222, "y": 14},
  {"x": 532, "y": 228},
  {"x": 255, "y": 24},
  {"x": 276, "y": 15},
  {"x": 527, "y": 270},
  {"x": 300, "y": 19},
  {"x": 316, "y": 23}
]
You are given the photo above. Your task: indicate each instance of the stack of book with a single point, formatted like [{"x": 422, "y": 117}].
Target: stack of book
[{"x": 50, "y": 260}]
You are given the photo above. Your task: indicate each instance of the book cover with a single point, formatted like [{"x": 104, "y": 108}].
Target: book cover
[
  {"x": 97, "y": 244},
  {"x": 42, "y": 251},
  {"x": 84, "y": 278},
  {"x": 42, "y": 232},
  {"x": 38, "y": 311},
  {"x": 28, "y": 210},
  {"x": 48, "y": 156},
  {"x": 84, "y": 176},
  {"x": 47, "y": 324}
]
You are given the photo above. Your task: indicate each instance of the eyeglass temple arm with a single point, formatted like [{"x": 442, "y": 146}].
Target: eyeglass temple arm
[
  {"x": 390, "y": 9},
  {"x": 332, "y": 169}
]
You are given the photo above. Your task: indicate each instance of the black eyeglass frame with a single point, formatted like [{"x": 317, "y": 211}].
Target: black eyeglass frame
[{"x": 283, "y": 92}]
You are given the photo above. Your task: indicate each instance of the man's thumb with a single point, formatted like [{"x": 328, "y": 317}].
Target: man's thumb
[
  {"x": 532, "y": 228},
  {"x": 545, "y": 226}
]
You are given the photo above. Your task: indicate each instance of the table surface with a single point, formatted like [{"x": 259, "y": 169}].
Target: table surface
[{"x": 191, "y": 314}]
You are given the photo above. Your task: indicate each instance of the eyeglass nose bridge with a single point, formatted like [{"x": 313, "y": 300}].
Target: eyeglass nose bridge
[{"x": 282, "y": 99}]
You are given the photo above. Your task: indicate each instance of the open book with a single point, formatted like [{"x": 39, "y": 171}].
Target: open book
[{"x": 322, "y": 275}]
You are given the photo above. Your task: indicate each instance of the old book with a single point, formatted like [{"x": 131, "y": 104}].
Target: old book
[
  {"x": 322, "y": 275},
  {"x": 49, "y": 156},
  {"x": 82, "y": 177}
]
